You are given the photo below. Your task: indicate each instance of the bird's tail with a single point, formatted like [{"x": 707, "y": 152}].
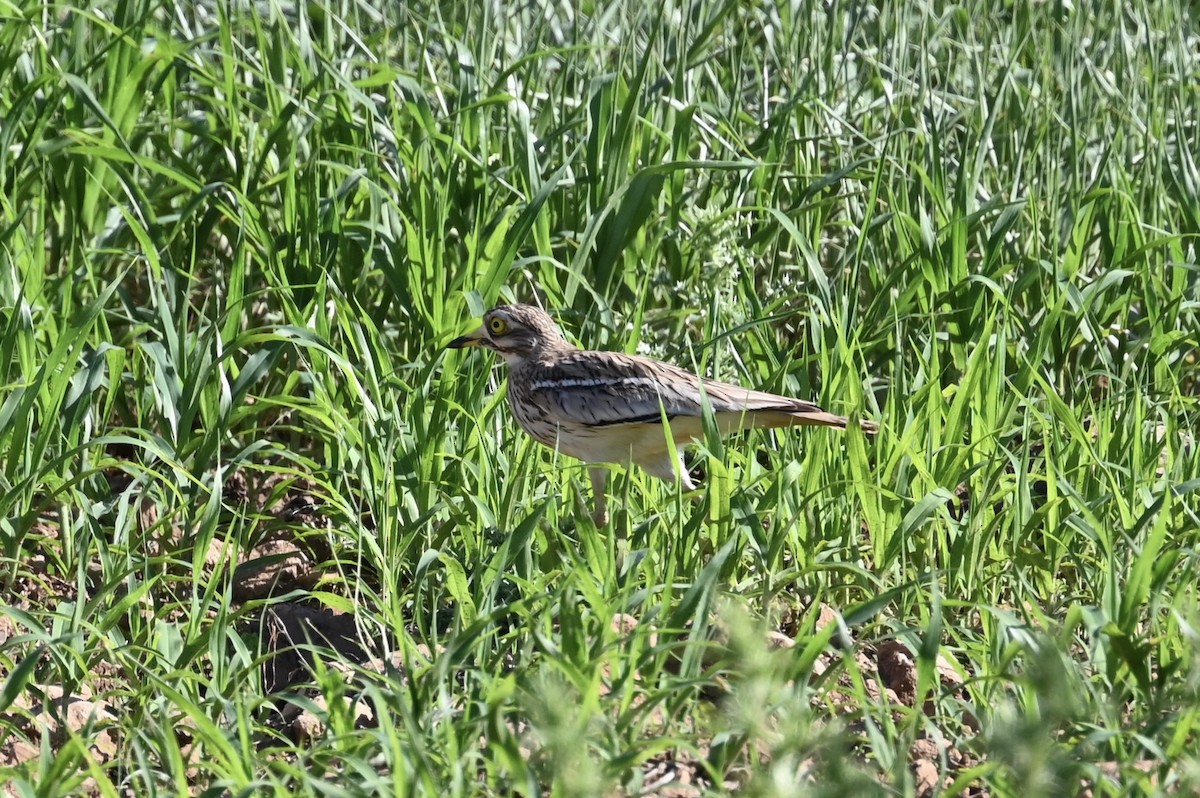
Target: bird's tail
[
  {"x": 800, "y": 417},
  {"x": 821, "y": 418},
  {"x": 743, "y": 408}
]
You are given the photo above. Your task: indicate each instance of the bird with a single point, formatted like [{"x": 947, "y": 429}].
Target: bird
[{"x": 609, "y": 407}]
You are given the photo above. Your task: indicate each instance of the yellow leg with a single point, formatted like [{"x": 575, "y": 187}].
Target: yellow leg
[{"x": 599, "y": 479}]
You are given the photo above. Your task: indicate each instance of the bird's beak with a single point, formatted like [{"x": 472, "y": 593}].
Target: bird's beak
[{"x": 476, "y": 338}]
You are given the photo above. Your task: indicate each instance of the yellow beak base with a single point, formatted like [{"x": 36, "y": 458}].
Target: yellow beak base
[{"x": 473, "y": 339}]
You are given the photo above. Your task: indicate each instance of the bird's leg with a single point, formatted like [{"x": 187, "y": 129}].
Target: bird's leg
[
  {"x": 685, "y": 479},
  {"x": 599, "y": 478},
  {"x": 672, "y": 470}
]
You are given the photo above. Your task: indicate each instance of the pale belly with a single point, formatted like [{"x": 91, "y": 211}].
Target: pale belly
[{"x": 615, "y": 443}]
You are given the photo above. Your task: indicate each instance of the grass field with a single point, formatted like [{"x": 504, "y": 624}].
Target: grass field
[{"x": 235, "y": 239}]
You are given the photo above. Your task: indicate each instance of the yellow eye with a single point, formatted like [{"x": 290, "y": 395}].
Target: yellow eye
[{"x": 498, "y": 326}]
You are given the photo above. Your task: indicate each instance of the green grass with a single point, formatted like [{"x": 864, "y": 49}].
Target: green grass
[{"x": 235, "y": 238}]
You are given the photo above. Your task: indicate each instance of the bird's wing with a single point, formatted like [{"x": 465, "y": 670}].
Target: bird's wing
[
  {"x": 606, "y": 388},
  {"x": 598, "y": 389}
]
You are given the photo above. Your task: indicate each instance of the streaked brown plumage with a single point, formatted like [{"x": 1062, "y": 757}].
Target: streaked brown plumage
[{"x": 608, "y": 407}]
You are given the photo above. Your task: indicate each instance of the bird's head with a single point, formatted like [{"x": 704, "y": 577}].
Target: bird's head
[{"x": 517, "y": 332}]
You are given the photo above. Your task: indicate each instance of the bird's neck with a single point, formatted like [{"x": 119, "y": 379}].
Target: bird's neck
[{"x": 544, "y": 355}]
